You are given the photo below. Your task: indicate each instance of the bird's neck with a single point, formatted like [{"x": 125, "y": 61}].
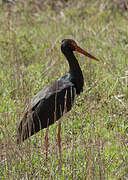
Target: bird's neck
[
  {"x": 73, "y": 63},
  {"x": 75, "y": 72}
]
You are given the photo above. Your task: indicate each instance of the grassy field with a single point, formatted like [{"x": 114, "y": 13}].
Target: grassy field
[{"x": 95, "y": 132}]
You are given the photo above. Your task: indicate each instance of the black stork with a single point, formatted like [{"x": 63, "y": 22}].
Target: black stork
[{"x": 51, "y": 103}]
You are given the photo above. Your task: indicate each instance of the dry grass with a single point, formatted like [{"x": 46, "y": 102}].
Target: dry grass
[{"x": 95, "y": 132}]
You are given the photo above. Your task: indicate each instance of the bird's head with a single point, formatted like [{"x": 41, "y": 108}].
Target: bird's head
[{"x": 69, "y": 45}]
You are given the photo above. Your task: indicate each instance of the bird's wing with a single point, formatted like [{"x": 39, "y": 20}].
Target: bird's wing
[
  {"x": 55, "y": 87},
  {"x": 42, "y": 108}
]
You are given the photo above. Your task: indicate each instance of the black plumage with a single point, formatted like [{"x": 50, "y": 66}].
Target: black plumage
[{"x": 50, "y": 104}]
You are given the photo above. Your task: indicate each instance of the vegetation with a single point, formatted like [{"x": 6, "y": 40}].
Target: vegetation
[{"x": 95, "y": 133}]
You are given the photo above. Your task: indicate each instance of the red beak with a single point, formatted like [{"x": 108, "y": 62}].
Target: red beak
[{"x": 80, "y": 50}]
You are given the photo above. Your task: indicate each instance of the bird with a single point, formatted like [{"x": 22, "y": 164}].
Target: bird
[{"x": 51, "y": 103}]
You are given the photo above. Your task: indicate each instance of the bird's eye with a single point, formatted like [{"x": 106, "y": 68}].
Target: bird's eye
[{"x": 74, "y": 44}]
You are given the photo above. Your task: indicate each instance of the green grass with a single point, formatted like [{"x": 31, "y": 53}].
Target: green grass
[{"x": 95, "y": 132}]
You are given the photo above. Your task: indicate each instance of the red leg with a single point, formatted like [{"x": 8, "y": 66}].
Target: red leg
[
  {"x": 46, "y": 143},
  {"x": 59, "y": 139}
]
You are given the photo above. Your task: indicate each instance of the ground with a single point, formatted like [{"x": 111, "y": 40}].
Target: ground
[{"x": 95, "y": 132}]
